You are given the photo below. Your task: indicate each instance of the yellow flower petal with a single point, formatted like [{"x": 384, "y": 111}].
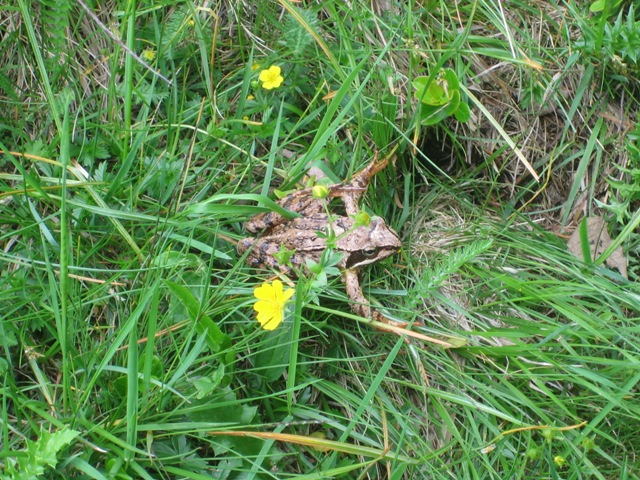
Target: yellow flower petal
[
  {"x": 272, "y": 299},
  {"x": 264, "y": 292},
  {"x": 148, "y": 54},
  {"x": 270, "y": 73},
  {"x": 271, "y": 77},
  {"x": 264, "y": 317},
  {"x": 277, "y": 290},
  {"x": 262, "y": 307},
  {"x": 273, "y": 322},
  {"x": 288, "y": 293}
]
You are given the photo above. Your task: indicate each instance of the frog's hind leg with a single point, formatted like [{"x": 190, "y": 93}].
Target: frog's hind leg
[
  {"x": 300, "y": 202},
  {"x": 351, "y": 192}
]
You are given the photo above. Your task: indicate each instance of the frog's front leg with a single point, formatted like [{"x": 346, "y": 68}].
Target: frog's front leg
[{"x": 360, "y": 305}]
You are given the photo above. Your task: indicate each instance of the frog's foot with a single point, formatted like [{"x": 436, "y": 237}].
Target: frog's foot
[
  {"x": 402, "y": 329},
  {"x": 361, "y": 307}
]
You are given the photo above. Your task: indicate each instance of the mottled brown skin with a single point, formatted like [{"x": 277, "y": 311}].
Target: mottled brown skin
[
  {"x": 360, "y": 246},
  {"x": 304, "y": 203}
]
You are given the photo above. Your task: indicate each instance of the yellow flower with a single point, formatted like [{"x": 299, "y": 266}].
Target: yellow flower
[
  {"x": 272, "y": 299},
  {"x": 148, "y": 54},
  {"x": 271, "y": 77}
]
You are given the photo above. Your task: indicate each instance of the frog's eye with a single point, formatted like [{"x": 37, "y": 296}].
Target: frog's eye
[{"x": 369, "y": 252}]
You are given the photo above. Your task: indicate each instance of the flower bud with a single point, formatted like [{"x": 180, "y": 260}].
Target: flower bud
[
  {"x": 319, "y": 191},
  {"x": 362, "y": 219}
]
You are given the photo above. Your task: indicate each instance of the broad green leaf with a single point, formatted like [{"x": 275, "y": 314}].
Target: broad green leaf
[
  {"x": 463, "y": 113},
  {"x": 450, "y": 77},
  {"x": 49, "y": 444},
  {"x": 433, "y": 95},
  {"x": 437, "y": 94},
  {"x": 420, "y": 84},
  {"x": 431, "y": 115},
  {"x": 453, "y": 104},
  {"x": 216, "y": 339},
  {"x": 272, "y": 360}
]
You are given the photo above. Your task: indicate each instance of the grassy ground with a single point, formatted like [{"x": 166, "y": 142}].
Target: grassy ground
[{"x": 142, "y": 139}]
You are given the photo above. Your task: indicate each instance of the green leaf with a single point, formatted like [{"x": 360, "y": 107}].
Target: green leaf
[
  {"x": 216, "y": 339},
  {"x": 40, "y": 453},
  {"x": 212, "y": 207},
  {"x": 437, "y": 94},
  {"x": 431, "y": 115},
  {"x": 419, "y": 84},
  {"x": 441, "y": 98},
  {"x": 454, "y": 104},
  {"x": 222, "y": 407},
  {"x": 440, "y": 91},
  {"x": 450, "y": 77},
  {"x": 584, "y": 242},
  {"x": 49, "y": 444},
  {"x": 272, "y": 359},
  {"x": 463, "y": 113},
  {"x": 207, "y": 385},
  {"x": 433, "y": 95}
]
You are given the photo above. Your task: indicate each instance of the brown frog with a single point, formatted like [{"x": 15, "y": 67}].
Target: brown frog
[{"x": 306, "y": 236}]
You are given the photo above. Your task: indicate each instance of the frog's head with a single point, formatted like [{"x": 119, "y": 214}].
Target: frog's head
[{"x": 369, "y": 244}]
